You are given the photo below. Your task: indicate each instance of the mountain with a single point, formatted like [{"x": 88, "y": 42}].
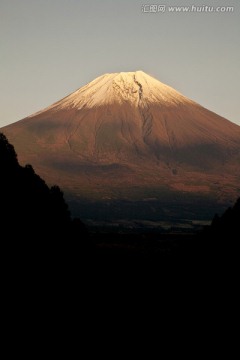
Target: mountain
[{"x": 127, "y": 136}]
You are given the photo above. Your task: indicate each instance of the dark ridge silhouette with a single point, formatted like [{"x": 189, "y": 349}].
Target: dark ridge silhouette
[
  {"x": 35, "y": 222},
  {"x": 228, "y": 225},
  {"x": 217, "y": 244}
]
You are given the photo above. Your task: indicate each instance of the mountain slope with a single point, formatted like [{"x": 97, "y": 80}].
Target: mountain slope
[{"x": 128, "y": 135}]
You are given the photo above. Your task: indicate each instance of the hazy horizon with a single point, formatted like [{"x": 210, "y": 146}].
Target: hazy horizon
[{"x": 50, "y": 49}]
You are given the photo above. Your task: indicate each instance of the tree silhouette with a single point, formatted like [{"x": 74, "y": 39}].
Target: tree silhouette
[
  {"x": 228, "y": 225},
  {"x": 8, "y": 156},
  {"x": 28, "y": 207}
]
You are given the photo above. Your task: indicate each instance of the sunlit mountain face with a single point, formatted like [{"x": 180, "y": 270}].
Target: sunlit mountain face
[{"x": 126, "y": 139}]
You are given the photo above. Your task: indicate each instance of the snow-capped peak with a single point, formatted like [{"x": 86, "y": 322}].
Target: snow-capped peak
[{"x": 136, "y": 88}]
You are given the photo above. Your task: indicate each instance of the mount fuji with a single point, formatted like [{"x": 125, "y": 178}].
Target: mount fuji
[{"x": 128, "y": 137}]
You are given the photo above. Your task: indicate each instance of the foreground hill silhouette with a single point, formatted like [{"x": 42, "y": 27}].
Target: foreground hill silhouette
[
  {"x": 29, "y": 209},
  {"x": 34, "y": 217},
  {"x": 227, "y": 226}
]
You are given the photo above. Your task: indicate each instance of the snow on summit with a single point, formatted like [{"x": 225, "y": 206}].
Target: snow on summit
[{"x": 137, "y": 88}]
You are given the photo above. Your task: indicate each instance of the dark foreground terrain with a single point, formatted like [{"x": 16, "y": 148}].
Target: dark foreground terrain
[
  {"x": 40, "y": 241},
  {"x": 144, "y": 247},
  {"x": 211, "y": 253}
]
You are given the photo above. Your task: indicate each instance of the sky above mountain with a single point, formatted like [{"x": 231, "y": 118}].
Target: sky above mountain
[{"x": 51, "y": 48}]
